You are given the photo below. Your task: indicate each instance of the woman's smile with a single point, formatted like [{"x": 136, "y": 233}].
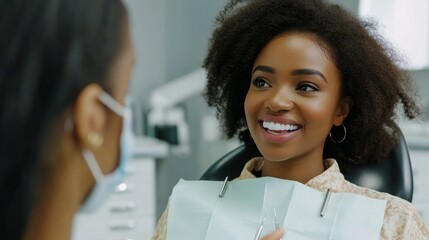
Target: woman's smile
[{"x": 278, "y": 130}]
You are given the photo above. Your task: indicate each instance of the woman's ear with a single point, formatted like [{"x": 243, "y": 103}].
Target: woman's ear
[
  {"x": 90, "y": 117},
  {"x": 343, "y": 110}
]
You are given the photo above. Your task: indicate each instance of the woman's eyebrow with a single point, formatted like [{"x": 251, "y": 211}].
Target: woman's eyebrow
[
  {"x": 264, "y": 69},
  {"x": 307, "y": 71}
]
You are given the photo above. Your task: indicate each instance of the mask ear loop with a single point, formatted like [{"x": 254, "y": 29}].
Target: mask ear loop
[
  {"x": 112, "y": 103},
  {"x": 92, "y": 164},
  {"x": 87, "y": 154}
]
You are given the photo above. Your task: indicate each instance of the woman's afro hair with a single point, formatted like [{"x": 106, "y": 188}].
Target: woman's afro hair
[{"x": 368, "y": 65}]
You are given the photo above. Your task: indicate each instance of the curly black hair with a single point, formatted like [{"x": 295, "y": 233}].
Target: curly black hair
[{"x": 371, "y": 76}]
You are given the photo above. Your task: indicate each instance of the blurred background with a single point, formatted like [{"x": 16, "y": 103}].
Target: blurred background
[{"x": 179, "y": 136}]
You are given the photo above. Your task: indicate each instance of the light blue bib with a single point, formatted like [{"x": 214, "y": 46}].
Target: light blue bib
[{"x": 197, "y": 212}]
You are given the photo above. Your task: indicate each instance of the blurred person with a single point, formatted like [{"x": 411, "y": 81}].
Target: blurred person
[{"x": 65, "y": 131}]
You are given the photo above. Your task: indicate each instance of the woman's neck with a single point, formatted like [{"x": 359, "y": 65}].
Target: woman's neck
[
  {"x": 52, "y": 217},
  {"x": 58, "y": 199},
  {"x": 50, "y": 223},
  {"x": 301, "y": 170}
]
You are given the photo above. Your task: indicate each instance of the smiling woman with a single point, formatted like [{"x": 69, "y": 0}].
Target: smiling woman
[
  {"x": 316, "y": 90},
  {"x": 293, "y": 100}
]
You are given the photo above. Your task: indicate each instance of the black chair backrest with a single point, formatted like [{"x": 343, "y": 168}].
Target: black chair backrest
[{"x": 394, "y": 175}]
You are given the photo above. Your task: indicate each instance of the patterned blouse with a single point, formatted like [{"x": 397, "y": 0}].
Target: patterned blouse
[{"x": 401, "y": 219}]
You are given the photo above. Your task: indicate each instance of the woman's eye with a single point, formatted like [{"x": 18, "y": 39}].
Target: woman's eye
[
  {"x": 307, "y": 87},
  {"x": 260, "y": 83}
]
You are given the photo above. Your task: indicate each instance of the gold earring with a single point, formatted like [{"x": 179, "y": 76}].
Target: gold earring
[{"x": 95, "y": 139}]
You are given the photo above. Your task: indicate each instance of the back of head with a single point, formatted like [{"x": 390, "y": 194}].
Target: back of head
[
  {"x": 50, "y": 50},
  {"x": 368, "y": 66}
]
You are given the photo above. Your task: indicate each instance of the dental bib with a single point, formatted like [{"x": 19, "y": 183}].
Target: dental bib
[{"x": 196, "y": 211}]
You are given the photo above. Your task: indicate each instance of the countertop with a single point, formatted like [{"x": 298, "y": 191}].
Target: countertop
[{"x": 150, "y": 147}]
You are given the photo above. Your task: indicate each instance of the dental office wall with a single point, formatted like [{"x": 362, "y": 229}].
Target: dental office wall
[{"x": 171, "y": 38}]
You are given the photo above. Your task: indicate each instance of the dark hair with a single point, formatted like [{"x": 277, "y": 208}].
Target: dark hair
[
  {"x": 50, "y": 50},
  {"x": 370, "y": 75}
]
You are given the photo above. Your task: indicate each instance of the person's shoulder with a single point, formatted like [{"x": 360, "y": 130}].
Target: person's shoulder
[{"x": 402, "y": 220}]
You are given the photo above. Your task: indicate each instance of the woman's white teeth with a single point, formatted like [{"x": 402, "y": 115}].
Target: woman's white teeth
[{"x": 279, "y": 127}]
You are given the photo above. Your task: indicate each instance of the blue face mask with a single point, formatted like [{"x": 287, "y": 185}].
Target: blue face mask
[{"x": 105, "y": 184}]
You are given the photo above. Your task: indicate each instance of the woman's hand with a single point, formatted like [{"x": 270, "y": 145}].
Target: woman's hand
[{"x": 276, "y": 235}]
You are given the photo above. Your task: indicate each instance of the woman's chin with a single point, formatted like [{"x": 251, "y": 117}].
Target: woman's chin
[{"x": 274, "y": 158}]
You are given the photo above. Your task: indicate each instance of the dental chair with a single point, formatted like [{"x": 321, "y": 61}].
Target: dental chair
[{"x": 394, "y": 175}]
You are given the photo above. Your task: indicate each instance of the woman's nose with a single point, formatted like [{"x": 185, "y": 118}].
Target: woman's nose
[{"x": 280, "y": 101}]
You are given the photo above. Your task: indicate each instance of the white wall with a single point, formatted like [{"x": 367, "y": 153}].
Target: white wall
[{"x": 148, "y": 26}]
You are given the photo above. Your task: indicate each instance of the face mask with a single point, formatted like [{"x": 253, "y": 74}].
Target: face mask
[{"x": 105, "y": 184}]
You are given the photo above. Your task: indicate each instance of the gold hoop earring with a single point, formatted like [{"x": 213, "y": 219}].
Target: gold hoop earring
[
  {"x": 95, "y": 139},
  {"x": 345, "y": 135}
]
